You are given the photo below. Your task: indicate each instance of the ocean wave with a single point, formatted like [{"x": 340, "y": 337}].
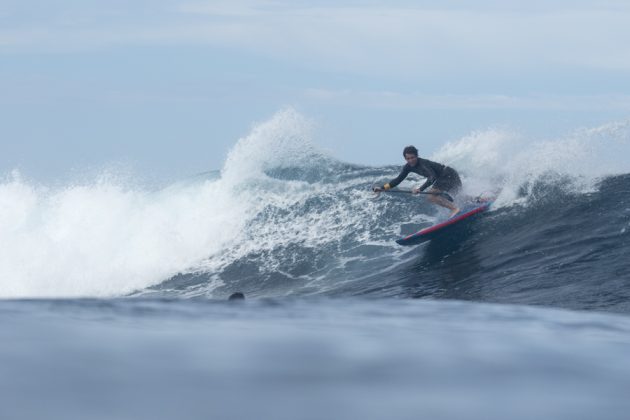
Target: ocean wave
[{"x": 284, "y": 218}]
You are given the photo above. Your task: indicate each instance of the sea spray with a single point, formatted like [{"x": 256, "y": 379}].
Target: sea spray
[{"x": 513, "y": 165}]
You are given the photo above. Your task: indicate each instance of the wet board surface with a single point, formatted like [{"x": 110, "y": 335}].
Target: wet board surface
[{"x": 468, "y": 212}]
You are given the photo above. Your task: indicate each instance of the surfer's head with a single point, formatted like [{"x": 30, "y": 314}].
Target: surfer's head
[
  {"x": 411, "y": 155},
  {"x": 237, "y": 296}
]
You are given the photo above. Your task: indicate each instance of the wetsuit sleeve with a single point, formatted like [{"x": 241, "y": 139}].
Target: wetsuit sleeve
[
  {"x": 426, "y": 184},
  {"x": 403, "y": 174},
  {"x": 431, "y": 177}
]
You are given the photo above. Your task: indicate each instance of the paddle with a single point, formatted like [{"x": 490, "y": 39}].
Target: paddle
[{"x": 443, "y": 194}]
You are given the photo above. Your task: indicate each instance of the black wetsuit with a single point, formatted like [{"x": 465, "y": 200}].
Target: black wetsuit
[{"x": 439, "y": 176}]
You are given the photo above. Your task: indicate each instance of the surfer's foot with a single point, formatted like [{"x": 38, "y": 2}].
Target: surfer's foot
[{"x": 453, "y": 213}]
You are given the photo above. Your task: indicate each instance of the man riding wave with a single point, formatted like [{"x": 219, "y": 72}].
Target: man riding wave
[{"x": 440, "y": 179}]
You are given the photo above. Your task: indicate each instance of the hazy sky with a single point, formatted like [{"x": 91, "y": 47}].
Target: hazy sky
[{"x": 169, "y": 86}]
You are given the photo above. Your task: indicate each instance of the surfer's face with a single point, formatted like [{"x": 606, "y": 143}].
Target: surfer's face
[{"x": 411, "y": 159}]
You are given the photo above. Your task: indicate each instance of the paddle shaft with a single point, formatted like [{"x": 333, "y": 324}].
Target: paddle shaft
[{"x": 443, "y": 194}]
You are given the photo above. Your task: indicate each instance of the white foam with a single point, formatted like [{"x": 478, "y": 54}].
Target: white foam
[
  {"x": 508, "y": 159},
  {"x": 103, "y": 239}
]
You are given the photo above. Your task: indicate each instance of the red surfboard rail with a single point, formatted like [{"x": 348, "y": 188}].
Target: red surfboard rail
[{"x": 429, "y": 232}]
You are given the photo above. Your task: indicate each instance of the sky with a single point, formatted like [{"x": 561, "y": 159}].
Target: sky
[{"x": 167, "y": 87}]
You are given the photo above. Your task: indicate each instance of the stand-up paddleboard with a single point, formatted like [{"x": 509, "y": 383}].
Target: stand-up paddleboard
[{"x": 426, "y": 234}]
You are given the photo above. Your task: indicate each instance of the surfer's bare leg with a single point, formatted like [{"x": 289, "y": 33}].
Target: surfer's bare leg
[{"x": 441, "y": 201}]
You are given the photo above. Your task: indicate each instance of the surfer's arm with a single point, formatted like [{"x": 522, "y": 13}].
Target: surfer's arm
[
  {"x": 403, "y": 174},
  {"x": 426, "y": 184},
  {"x": 431, "y": 178}
]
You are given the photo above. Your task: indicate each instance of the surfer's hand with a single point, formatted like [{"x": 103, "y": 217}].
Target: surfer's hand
[{"x": 415, "y": 190}]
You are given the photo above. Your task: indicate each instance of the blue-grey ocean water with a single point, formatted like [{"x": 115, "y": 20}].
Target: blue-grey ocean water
[
  {"x": 115, "y": 299},
  {"x": 310, "y": 359}
]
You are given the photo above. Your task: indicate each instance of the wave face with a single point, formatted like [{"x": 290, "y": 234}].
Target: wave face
[{"x": 283, "y": 218}]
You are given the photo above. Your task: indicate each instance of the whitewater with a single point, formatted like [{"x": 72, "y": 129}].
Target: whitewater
[{"x": 522, "y": 313}]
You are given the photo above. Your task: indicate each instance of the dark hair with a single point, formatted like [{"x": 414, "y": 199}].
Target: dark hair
[
  {"x": 410, "y": 150},
  {"x": 237, "y": 296}
]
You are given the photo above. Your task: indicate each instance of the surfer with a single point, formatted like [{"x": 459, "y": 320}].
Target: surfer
[{"x": 440, "y": 178}]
